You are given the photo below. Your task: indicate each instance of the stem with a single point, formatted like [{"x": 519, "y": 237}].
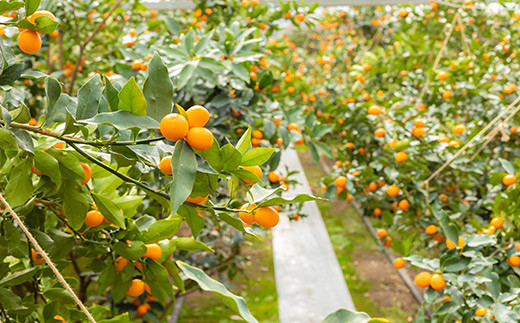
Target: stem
[
  {"x": 4, "y": 314},
  {"x": 87, "y": 41},
  {"x": 115, "y": 172},
  {"x": 76, "y": 233},
  {"x": 62, "y": 60},
  {"x": 56, "y": 135}
]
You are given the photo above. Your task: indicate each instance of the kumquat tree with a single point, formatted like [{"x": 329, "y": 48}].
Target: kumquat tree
[{"x": 148, "y": 156}]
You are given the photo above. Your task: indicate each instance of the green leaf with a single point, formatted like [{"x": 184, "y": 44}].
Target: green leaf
[
  {"x": 6, "y": 6},
  {"x": 21, "y": 114},
  {"x": 493, "y": 286},
  {"x": 64, "y": 108},
  {"x": 174, "y": 27},
  {"x": 111, "y": 94},
  {"x": 344, "y": 315},
  {"x": 158, "y": 89},
  {"x": 245, "y": 141},
  {"x": 48, "y": 166},
  {"x": 240, "y": 71},
  {"x": 11, "y": 73},
  {"x": 106, "y": 277},
  {"x": 120, "y": 286},
  {"x": 451, "y": 233},
  {"x": 245, "y": 174},
  {"x": 212, "y": 156},
  {"x": 194, "y": 220},
  {"x": 88, "y": 98},
  {"x": 481, "y": 240},
  {"x": 128, "y": 204},
  {"x": 34, "y": 75},
  {"x": 59, "y": 294},
  {"x": 10, "y": 300},
  {"x": 19, "y": 187},
  {"x": 31, "y": 6},
  {"x": 455, "y": 264},
  {"x": 315, "y": 156},
  {"x": 131, "y": 98},
  {"x": 123, "y": 120},
  {"x": 507, "y": 166},
  {"x": 185, "y": 75},
  {"x": 235, "y": 223},
  {"x": 109, "y": 210},
  {"x": 172, "y": 269},
  {"x": 18, "y": 277},
  {"x": 25, "y": 141},
  {"x": 75, "y": 205},
  {"x": 46, "y": 24},
  {"x": 190, "y": 244},
  {"x": 7, "y": 140},
  {"x": 53, "y": 92},
  {"x": 257, "y": 193},
  {"x": 184, "y": 168},
  {"x": 134, "y": 251},
  {"x": 257, "y": 156},
  {"x": 156, "y": 276},
  {"x": 266, "y": 79},
  {"x": 121, "y": 318},
  {"x": 324, "y": 149},
  {"x": 295, "y": 199},
  {"x": 236, "y": 303},
  {"x": 162, "y": 229},
  {"x": 230, "y": 157},
  {"x": 43, "y": 25}
]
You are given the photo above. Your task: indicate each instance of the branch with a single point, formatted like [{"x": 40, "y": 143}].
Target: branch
[
  {"x": 115, "y": 172},
  {"x": 509, "y": 246},
  {"x": 56, "y": 135},
  {"x": 87, "y": 41},
  {"x": 50, "y": 205},
  {"x": 73, "y": 141}
]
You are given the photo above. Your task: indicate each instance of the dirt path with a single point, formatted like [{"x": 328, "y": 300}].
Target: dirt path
[{"x": 375, "y": 286}]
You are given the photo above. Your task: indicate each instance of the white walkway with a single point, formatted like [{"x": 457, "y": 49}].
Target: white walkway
[{"x": 309, "y": 280}]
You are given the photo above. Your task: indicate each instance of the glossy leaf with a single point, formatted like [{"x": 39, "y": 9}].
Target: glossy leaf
[
  {"x": 158, "y": 89},
  {"x": 207, "y": 283},
  {"x": 123, "y": 120},
  {"x": 184, "y": 166},
  {"x": 109, "y": 210},
  {"x": 131, "y": 98}
]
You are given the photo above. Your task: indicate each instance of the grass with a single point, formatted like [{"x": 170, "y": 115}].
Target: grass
[{"x": 257, "y": 287}]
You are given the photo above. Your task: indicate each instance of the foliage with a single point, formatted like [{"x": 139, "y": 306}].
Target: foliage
[
  {"x": 359, "y": 74},
  {"x": 81, "y": 164}
]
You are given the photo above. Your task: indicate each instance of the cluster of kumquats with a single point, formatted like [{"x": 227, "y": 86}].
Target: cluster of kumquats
[
  {"x": 190, "y": 126},
  {"x": 394, "y": 118}
]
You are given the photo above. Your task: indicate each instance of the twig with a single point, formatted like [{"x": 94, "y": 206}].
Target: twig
[
  {"x": 509, "y": 246},
  {"x": 62, "y": 60},
  {"x": 83, "y": 45},
  {"x": 466, "y": 146},
  {"x": 56, "y": 135}
]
